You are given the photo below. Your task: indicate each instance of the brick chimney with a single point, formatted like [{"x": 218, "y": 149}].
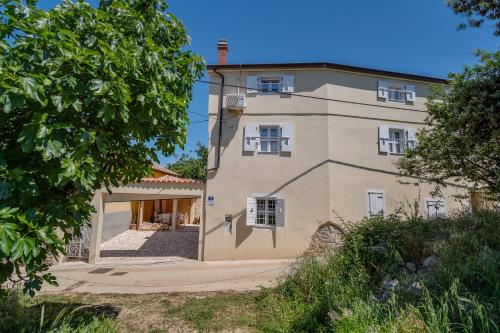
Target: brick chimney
[{"x": 222, "y": 52}]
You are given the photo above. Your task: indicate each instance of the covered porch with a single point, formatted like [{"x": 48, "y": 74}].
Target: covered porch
[{"x": 164, "y": 215}]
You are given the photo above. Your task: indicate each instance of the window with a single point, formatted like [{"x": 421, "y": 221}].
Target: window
[
  {"x": 435, "y": 208},
  {"x": 395, "y": 92},
  {"x": 396, "y": 140},
  {"x": 375, "y": 202},
  {"x": 269, "y": 137},
  {"x": 270, "y": 84},
  {"x": 266, "y": 211}
]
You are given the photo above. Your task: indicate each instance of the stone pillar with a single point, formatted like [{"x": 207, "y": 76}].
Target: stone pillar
[
  {"x": 140, "y": 215},
  {"x": 174, "y": 214},
  {"x": 97, "y": 222}
]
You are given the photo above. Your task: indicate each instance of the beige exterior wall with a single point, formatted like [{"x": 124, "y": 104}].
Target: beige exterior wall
[
  {"x": 334, "y": 162},
  {"x": 116, "y": 220},
  {"x": 115, "y": 207}
]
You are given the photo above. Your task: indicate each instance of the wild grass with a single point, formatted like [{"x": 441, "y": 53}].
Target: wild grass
[
  {"x": 341, "y": 291},
  {"x": 214, "y": 313},
  {"x": 21, "y": 313}
]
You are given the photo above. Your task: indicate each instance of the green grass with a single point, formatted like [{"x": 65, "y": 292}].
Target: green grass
[
  {"x": 460, "y": 292},
  {"x": 21, "y": 313},
  {"x": 337, "y": 292},
  {"x": 214, "y": 313}
]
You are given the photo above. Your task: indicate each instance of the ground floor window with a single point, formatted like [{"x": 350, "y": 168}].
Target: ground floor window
[
  {"x": 435, "y": 208},
  {"x": 266, "y": 211},
  {"x": 375, "y": 202}
]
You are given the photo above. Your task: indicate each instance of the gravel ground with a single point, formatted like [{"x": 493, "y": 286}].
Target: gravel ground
[{"x": 178, "y": 244}]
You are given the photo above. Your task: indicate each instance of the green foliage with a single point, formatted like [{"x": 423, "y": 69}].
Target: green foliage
[
  {"x": 476, "y": 11},
  {"x": 188, "y": 166},
  {"x": 341, "y": 291},
  {"x": 23, "y": 314},
  {"x": 82, "y": 93},
  {"x": 221, "y": 312},
  {"x": 462, "y": 141}
]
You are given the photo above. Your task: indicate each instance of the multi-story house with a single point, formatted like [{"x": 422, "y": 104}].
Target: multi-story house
[{"x": 294, "y": 145}]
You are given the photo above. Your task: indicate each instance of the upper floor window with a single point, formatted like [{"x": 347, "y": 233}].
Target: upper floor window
[
  {"x": 395, "y": 92},
  {"x": 270, "y": 83},
  {"x": 269, "y": 139},
  {"x": 395, "y": 140}
]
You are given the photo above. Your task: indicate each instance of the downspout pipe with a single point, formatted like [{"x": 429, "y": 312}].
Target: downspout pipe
[{"x": 220, "y": 118}]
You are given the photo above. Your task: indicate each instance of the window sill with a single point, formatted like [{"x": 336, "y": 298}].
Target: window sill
[
  {"x": 264, "y": 226},
  {"x": 269, "y": 152}
]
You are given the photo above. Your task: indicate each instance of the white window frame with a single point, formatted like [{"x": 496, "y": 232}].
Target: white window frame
[
  {"x": 434, "y": 200},
  {"x": 367, "y": 196},
  {"x": 390, "y": 142},
  {"x": 402, "y": 142},
  {"x": 267, "y": 83},
  {"x": 266, "y": 211},
  {"x": 396, "y": 88},
  {"x": 269, "y": 138}
]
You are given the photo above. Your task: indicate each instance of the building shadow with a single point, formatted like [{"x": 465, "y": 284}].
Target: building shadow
[{"x": 182, "y": 243}]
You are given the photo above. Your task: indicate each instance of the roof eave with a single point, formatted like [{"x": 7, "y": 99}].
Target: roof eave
[{"x": 326, "y": 65}]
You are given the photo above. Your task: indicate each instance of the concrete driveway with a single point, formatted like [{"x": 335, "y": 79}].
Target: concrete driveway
[{"x": 167, "y": 276}]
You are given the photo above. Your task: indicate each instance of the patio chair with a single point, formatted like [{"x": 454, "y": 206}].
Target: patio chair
[
  {"x": 165, "y": 218},
  {"x": 156, "y": 217}
]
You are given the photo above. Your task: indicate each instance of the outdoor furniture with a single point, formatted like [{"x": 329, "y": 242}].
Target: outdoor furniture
[
  {"x": 165, "y": 218},
  {"x": 156, "y": 217}
]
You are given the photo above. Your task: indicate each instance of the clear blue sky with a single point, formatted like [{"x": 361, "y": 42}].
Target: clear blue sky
[{"x": 412, "y": 36}]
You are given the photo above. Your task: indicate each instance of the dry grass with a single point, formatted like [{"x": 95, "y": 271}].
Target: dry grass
[{"x": 172, "y": 312}]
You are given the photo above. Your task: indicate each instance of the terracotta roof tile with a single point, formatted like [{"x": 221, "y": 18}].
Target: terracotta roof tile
[{"x": 171, "y": 179}]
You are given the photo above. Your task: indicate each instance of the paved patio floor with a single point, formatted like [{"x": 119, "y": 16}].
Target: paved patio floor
[{"x": 152, "y": 246}]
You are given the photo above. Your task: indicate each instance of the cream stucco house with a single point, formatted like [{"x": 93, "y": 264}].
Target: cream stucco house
[{"x": 294, "y": 145}]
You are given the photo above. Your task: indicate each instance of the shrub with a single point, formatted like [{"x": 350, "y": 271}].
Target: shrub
[
  {"x": 347, "y": 290},
  {"x": 21, "y": 313}
]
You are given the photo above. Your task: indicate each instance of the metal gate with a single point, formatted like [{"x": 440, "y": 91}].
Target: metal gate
[{"x": 78, "y": 247}]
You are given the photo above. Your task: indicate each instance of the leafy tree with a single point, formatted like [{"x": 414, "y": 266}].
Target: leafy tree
[
  {"x": 463, "y": 138},
  {"x": 82, "y": 92},
  {"x": 476, "y": 11},
  {"x": 192, "y": 167}
]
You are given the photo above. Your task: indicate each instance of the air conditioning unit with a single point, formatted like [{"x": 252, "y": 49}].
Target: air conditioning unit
[{"x": 236, "y": 101}]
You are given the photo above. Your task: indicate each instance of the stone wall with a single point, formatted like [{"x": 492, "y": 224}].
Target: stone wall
[{"x": 328, "y": 236}]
